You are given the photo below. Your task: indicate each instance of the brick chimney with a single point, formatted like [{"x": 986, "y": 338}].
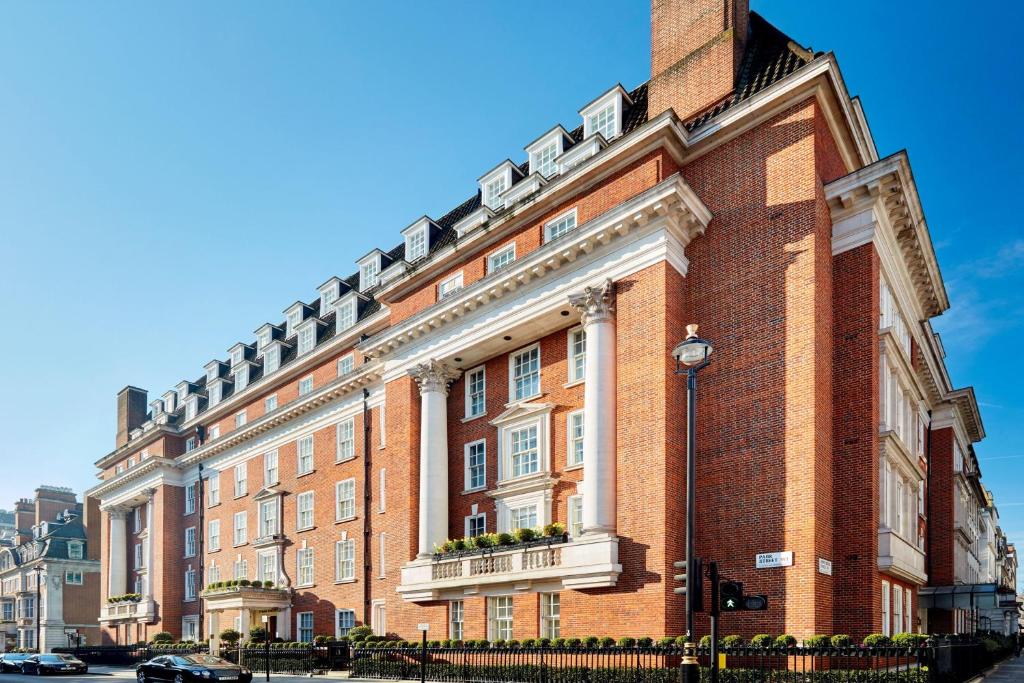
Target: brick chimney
[
  {"x": 696, "y": 50},
  {"x": 131, "y": 412},
  {"x": 24, "y": 520}
]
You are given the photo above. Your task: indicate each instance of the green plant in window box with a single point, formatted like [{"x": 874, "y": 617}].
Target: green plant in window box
[{"x": 525, "y": 535}]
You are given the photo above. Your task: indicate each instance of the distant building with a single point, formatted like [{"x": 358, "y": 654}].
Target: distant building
[{"x": 50, "y": 572}]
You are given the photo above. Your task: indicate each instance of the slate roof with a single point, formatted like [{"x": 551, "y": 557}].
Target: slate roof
[{"x": 770, "y": 56}]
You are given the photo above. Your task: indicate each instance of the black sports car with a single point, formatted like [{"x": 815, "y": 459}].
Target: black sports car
[
  {"x": 53, "y": 664},
  {"x": 11, "y": 662},
  {"x": 191, "y": 669}
]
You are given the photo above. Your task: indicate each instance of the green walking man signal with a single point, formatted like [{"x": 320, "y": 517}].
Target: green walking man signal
[{"x": 732, "y": 599}]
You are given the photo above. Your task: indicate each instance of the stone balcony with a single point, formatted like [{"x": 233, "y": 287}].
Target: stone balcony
[
  {"x": 586, "y": 562},
  {"x": 246, "y": 597},
  {"x": 899, "y": 558},
  {"x": 143, "y": 611}
]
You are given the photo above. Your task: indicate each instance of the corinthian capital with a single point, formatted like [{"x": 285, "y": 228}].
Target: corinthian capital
[
  {"x": 434, "y": 376},
  {"x": 595, "y": 304}
]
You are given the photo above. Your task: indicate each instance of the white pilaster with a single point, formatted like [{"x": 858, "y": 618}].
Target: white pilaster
[
  {"x": 118, "y": 552},
  {"x": 433, "y": 378},
  {"x": 147, "y": 549},
  {"x": 597, "y": 309}
]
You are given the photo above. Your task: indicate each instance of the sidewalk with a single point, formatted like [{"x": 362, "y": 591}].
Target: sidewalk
[
  {"x": 121, "y": 672},
  {"x": 1011, "y": 669}
]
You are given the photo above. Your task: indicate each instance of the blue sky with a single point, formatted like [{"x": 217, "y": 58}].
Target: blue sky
[{"x": 174, "y": 174}]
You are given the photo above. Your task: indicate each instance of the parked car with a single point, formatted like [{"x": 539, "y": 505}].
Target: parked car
[
  {"x": 10, "y": 662},
  {"x": 191, "y": 669},
  {"x": 41, "y": 665}
]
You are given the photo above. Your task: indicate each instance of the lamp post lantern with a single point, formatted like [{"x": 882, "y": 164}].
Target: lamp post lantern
[{"x": 692, "y": 354}]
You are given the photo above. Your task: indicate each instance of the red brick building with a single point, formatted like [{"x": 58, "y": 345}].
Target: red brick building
[{"x": 508, "y": 365}]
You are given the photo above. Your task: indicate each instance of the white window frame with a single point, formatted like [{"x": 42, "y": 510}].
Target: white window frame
[
  {"x": 577, "y": 360},
  {"x": 345, "y": 560},
  {"x": 265, "y": 559},
  {"x": 381, "y": 554},
  {"x": 346, "y": 364},
  {"x": 213, "y": 490},
  {"x": 417, "y": 242},
  {"x": 241, "y": 378},
  {"x": 136, "y": 520},
  {"x": 492, "y": 190},
  {"x": 190, "y": 541},
  {"x": 542, "y": 158},
  {"x": 555, "y": 224},
  {"x": 305, "y": 506},
  {"x": 346, "y": 313},
  {"x": 137, "y": 557},
  {"x": 241, "y": 479},
  {"x": 550, "y": 615},
  {"x": 342, "y": 629},
  {"x": 345, "y": 440},
  {"x": 305, "y": 567},
  {"x": 241, "y": 417},
  {"x": 480, "y": 517},
  {"x": 481, "y": 372},
  {"x": 467, "y": 451},
  {"x": 190, "y": 498},
  {"x": 382, "y": 487},
  {"x": 456, "y": 619},
  {"x": 305, "y": 385},
  {"x": 886, "y": 615},
  {"x": 512, "y": 378},
  {"x": 329, "y": 293},
  {"x": 76, "y": 549},
  {"x": 369, "y": 272},
  {"x": 574, "y": 515},
  {"x": 616, "y": 99},
  {"x": 263, "y": 526},
  {"x": 500, "y": 626},
  {"x": 268, "y": 458},
  {"x": 190, "y": 584},
  {"x": 214, "y": 432},
  {"x": 300, "y": 636},
  {"x": 574, "y": 443},
  {"x": 240, "y": 532},
  {"x": 214, "y": 535},
  {"x": 272, "y": 359},
  {"x": 496, "y": 259},
  {"x": 342, "y": 499},
  {"x": 449, "y": 286},
  {"x": 306, "y": 337},
  {"x": 293, "y": 317},
  {"x": 897, "y": 612},
  {"x": 270, "y": 404},
  {"x": 301, "y": 455}
]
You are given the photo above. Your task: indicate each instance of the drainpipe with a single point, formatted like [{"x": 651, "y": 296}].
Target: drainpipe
[
  {"x": 200, "y": 537},
  {"x": 367, "y": 500},
  {"x": 928, "y": 495}
]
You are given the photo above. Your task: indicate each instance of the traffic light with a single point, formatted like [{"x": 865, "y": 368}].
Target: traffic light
[
  {"x": 730, "y": 596},
  {"x": 698, "y": 582},
  {"x": 755, "y": 602}
]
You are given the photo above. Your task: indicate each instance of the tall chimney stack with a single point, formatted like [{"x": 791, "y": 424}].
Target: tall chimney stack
[
  {"x": 696, "y": 50},
  {"x": 131, "y": 412}
]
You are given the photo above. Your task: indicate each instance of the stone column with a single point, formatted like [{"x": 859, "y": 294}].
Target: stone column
[
  {"x": 596, "y": 309},
  {"x": 433, "y": 378},
  {"x": 147, "y": 549},
  {"x": 117, "y": 574}
]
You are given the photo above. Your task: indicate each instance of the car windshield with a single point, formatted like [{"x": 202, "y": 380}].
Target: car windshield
[
  {"x": 49, "y": 658},
  {"x": 205, "y": 660},
  {"x": 15, "y": 656},
  {"x": 69, "y": 658}
]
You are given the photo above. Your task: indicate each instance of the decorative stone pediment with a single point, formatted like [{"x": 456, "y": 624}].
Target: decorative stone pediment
[{"x": 514, "y": 412}]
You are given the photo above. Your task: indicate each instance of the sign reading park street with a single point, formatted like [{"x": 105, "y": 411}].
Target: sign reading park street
[{"x": 772, "y": 560}]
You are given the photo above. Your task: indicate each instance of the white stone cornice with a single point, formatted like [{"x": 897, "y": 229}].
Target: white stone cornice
[
  {"x": 595, "y": 304},
  {"x": 887, "y": 187},
  {"x": 433, "y": 376},
  {"x": 148, "y": 467},
  {"x": 673, "y": 200}
]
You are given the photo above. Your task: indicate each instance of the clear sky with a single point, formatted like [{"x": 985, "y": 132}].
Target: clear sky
[{"x": 172, "y": 175}]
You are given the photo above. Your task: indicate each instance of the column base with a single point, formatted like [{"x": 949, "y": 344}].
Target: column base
[{"x": 599, "y": 531}]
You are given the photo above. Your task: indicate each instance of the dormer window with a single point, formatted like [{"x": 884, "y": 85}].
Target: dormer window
[
  {"x": 191, "y": 407},
  {"x": 496, "y": 182},
  {"x": 347, "y": 312},
  {"x": 307, "y": 332},
  {"x": 264, "y": 335},
  {"x": 369, "y": 270},
  {"x": 329, "y": 293},
  {"x": 213, "y": 394},
  {"x": 213, "y": 369},
  {"x": 546, "y": 149},
  {"x": 157, "y": 407},
  {"x": 271, "y": 359},
  {"x": 241, "y": 377},
  {"x": 604, "y": 115},
  {"x": 170, "y": 401},
  {"x": 294, "y": 315}
]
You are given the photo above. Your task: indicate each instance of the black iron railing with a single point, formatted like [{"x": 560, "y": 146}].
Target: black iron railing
[{"x": 941, "y": 663}]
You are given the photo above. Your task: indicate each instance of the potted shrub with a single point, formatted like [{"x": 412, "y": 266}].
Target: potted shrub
[
  {"x": 506, "y": 539},
  {"x": 761, "y": 640},
  {"x": 591, "y": 642},
  {"x": 877, "y": 640},
  {"x": 818, "y": 641},
  {"x": 574, "y": 643},
  {"x": 162, "y": 637},
  {"x": 257, "y": 634},
  {"x": 732, "y": 641},
  {"x": 607, "y": 642},
  {"x": 841, "y": 640},
  {"x": 525, "y": 535}
]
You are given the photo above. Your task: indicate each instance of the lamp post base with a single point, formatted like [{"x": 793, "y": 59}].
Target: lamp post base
[{"x": 689, "y": 668}]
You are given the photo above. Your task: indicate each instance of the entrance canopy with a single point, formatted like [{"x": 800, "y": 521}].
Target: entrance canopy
[{"x": 965, "y": 596}]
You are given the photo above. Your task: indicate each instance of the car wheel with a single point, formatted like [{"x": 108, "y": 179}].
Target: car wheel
[
  {"x": 178, "y": 678},
  {"x": 141, "y": 675}
]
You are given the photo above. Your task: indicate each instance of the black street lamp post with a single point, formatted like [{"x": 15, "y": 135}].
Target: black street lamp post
[
  {"x": 38, "y": 569},
  {"x": 692, "y": 354}
]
